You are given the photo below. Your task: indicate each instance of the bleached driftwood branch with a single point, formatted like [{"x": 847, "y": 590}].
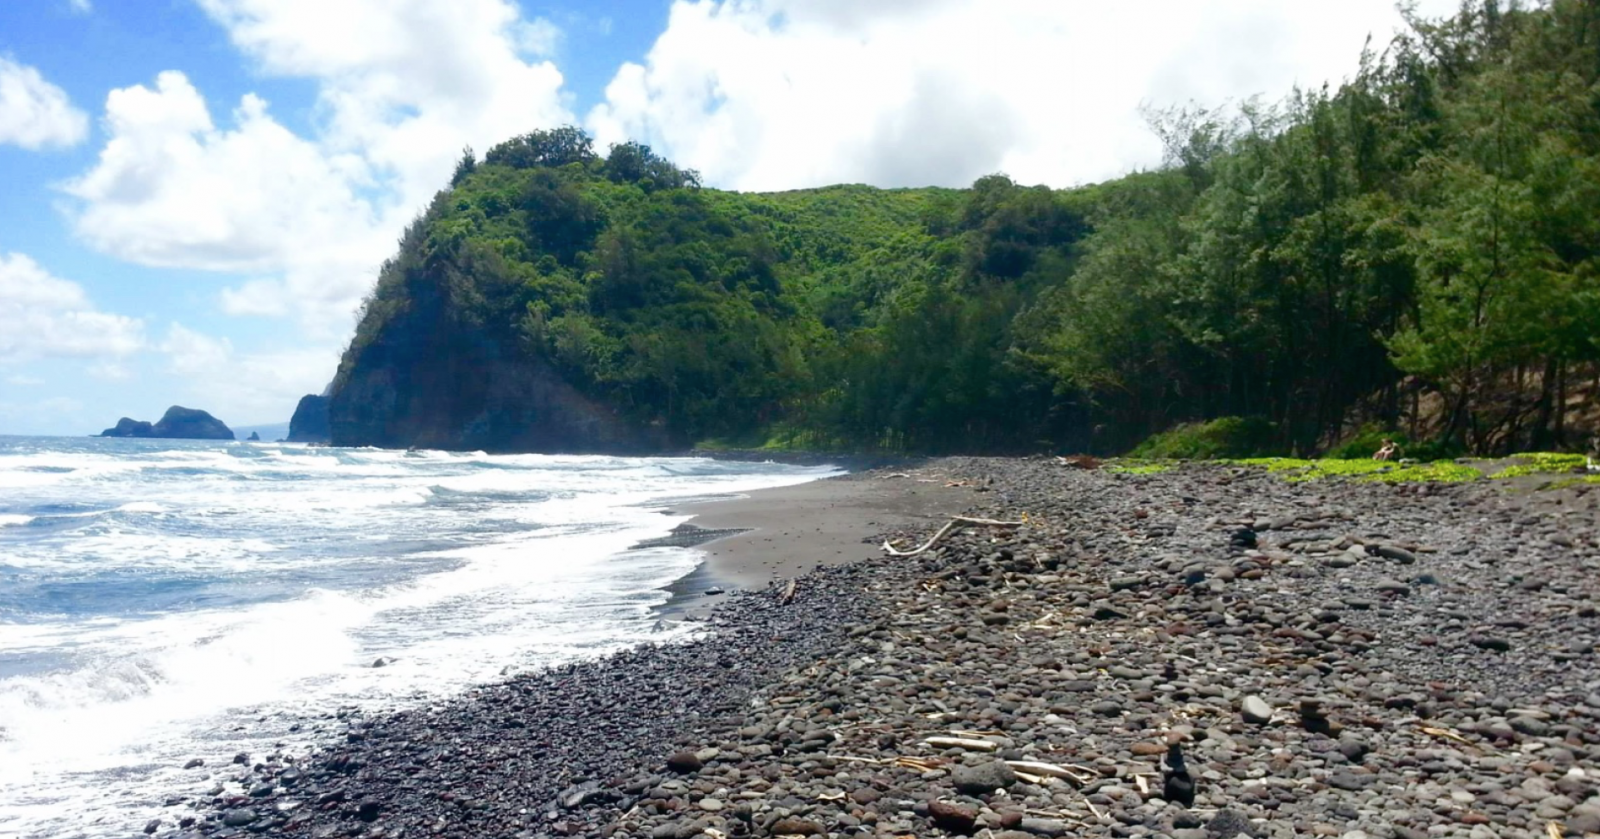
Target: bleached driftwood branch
[{"x": 954, "y": 523}]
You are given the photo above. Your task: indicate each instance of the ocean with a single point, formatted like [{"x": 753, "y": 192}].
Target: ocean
[{"x": 168, "y": 600}]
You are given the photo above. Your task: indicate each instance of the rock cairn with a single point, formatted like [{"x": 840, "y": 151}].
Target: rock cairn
[{"x": 1333, "y": 659}]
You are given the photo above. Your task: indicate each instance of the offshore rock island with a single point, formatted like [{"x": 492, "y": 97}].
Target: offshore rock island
[{"x": 178, "y": 423}]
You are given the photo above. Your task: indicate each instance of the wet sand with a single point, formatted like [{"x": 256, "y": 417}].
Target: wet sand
[{"x": 789, "y": 531}]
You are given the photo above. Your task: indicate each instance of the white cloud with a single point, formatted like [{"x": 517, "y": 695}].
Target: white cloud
[
  {"x": 24, "y": 381},
  {"x": 52, "y": 408},
  {"x": 243, "y": 388},
  {"x": 43, "y": 316},
  {"x": 35, "y": 113},
  {"x": 776, "y": 94},
  {"x": 171, "y": 189},
  {"x": 191, "y": 353},
  {"x": 402, "y": 86},
  {"x": 110, "y": 371},
  {"x": 81, "y": 7}
]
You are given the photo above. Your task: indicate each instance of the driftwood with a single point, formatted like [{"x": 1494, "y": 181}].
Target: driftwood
[
  {"x": 1051, "y": 770},
  {"x": 787, "y": 596},
  {"x": 954, "y": 523},
  {"x": 966, "y": 743}
]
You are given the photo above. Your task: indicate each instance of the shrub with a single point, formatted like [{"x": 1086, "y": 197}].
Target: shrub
[
  {"x": 1367, "y": 440},
  {"x": 1225, "y": 437}
]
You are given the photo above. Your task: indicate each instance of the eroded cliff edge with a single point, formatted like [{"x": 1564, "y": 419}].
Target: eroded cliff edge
[{"x": 430, "y": 377}]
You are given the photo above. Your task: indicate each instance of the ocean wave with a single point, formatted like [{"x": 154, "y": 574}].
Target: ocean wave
[{"x": 168, "y": 595}]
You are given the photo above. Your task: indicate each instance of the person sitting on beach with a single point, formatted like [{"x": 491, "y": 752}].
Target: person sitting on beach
[{"x": 1387, "y": 452}]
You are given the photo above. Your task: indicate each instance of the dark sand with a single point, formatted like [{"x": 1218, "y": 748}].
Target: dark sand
[{"x": 792, "y": 530}]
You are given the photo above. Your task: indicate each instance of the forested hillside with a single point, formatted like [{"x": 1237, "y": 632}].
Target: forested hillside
[{"x": 1415, "y": 250}]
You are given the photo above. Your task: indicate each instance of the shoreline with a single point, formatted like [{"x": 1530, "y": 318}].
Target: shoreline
[
  {"x": 1306, "y": 645},
  {"x": 772, "y": 535}
]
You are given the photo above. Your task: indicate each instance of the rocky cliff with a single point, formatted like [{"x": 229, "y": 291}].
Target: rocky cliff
[
  {"x": 430, "y": 378},
  {"x": 177, "y": 423},
  {"x": 310, "y": 421}
]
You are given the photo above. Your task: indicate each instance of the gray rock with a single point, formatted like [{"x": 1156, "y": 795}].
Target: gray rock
[
  {"x": 982, "y": 779},
  {"x": 1583, "y": 822},
  {"x": 1393, "y": 587},
  {"x": 1255, "y": 710},
  {"x": 685, "y": 763},
  {"x": 1530, "y": 726},
  {"x": 239, "y": 817},
  {"x": 1228, "y": 823},
  {"x": 1043, "y": 827},
  {"x": 1349, "y": 781},
  {"x": 793, "y": 826},
  {"x": 1396, "y": 553},
  {"x": 1489, "y": 642}
]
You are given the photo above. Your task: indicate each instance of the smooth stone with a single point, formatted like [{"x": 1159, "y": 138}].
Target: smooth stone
[
  {"x": 1228, "y": 823},
  {"x": 1043, "y": 827},
  {"x": 685, "y": 763},
  {"x": 982, "y": 779},
  {"x": 793, "y": 826},
  {"x": 952, "y": 817},
  {"x": 1256, "y": 710}
]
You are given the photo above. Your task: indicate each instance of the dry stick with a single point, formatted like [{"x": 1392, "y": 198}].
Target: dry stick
[
  {"x": 964, "y": 743},
  {"x": 943, "y": 531},
  {"x": 788, "y": 593},
  {"x": 1052, "y": 770}
]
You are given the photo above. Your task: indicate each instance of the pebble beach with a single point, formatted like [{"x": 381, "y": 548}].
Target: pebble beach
[{"x": 1334, "y": 658}]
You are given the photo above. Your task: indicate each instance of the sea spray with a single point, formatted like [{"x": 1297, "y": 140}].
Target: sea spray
[{"x": 162, "y": 601}]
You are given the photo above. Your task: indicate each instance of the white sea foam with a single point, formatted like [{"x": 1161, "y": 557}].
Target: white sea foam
[{"x": 164, "y": 600}]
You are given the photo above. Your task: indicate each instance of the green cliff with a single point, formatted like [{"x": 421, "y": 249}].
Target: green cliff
[{"x": 1417, "y": 249}]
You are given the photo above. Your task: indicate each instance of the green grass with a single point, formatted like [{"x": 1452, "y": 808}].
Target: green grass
[
  {"x": 1439, "y": 471},
  {"x": 1296, "y": 470},
  {"x": 1300, "y": 470},
  {"x": 1536, "y": 463},
  {"x": 1136, "y": 466},
  {"x": 1574, "y": 481}
]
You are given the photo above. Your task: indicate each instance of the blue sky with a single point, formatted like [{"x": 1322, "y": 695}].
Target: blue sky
[{"x": 198, "y": 192}]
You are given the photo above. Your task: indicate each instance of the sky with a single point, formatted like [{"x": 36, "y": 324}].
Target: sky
[{"x": 196, "y": 194}]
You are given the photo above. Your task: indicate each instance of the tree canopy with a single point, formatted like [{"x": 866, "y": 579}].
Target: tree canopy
[{"x": 1416, "y": 248}]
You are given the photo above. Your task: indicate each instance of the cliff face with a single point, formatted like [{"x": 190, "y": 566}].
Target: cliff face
[
  {"x": 429, "y": 380},
  {"x": 178, "y": 423},
  {"x": 310, "y": 421}
]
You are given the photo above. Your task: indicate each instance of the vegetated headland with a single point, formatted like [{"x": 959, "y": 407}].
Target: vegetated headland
[{"x": 1412, "y": 253}]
